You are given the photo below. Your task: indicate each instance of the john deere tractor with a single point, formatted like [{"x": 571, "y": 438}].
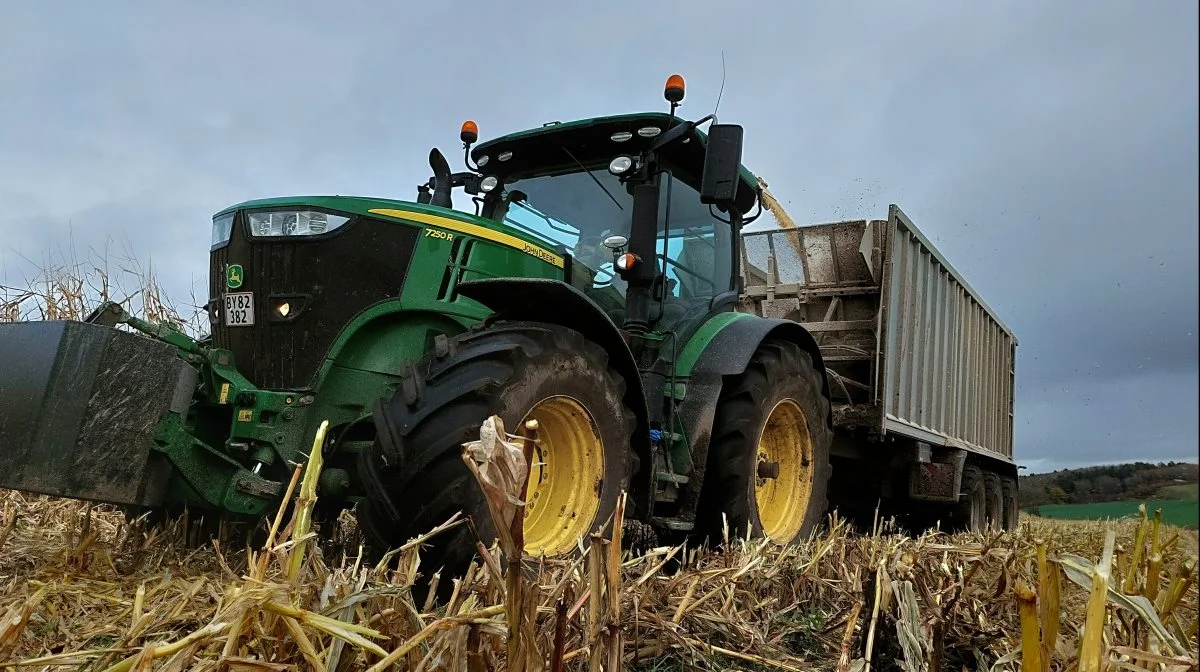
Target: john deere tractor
[{"x": 593, "y": 288}]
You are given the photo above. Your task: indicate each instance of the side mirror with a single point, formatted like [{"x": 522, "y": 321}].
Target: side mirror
[{"x": 722, "y": 164}]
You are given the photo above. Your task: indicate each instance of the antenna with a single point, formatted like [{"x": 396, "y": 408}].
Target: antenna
[{"x": 722, "y": 90}]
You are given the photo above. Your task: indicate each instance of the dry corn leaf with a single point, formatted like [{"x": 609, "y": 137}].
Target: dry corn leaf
[{"x": 1078, "y": 569}]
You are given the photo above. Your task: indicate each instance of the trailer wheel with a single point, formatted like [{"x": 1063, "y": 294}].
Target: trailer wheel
[
  {"x": 971, "y": 511},
  {"x": 1012, "y": 503},
  {"x": 768, "y": 459},
  {"x": 995, "y": 500},
  {"x": 414, "y": 474}
]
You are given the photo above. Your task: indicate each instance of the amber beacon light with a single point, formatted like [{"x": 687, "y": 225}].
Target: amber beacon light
[
  {"x": 673, "y": 91},
  {"x": 469, "y": 133}
]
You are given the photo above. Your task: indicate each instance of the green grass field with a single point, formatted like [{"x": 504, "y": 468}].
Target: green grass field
[
  {"x": 1180, "y": 491},
  {"x": 1181, "y": 512}
]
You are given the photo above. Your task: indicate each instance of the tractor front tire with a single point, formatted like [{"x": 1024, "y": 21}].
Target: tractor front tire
[
  {"x": 768, "y": 464},
  {"x": 414, "y": 474}
]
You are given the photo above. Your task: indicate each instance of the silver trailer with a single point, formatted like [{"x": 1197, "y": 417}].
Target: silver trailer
[{"x": 921, "y": 370}]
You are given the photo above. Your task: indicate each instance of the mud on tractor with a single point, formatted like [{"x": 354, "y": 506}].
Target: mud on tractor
[{"x": 602, "y": 286}]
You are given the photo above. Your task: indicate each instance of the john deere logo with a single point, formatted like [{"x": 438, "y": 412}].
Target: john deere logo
[{"x": 233, "y": 276}]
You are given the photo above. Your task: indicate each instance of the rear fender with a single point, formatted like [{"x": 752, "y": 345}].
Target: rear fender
[
  {"x": 723, "y": 347},
  {"x": 728, "y": 351},
  {"x": 556, "y": 302}
]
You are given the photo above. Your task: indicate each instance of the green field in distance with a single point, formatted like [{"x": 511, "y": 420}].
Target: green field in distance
[{"x": 1181, "y": 512}]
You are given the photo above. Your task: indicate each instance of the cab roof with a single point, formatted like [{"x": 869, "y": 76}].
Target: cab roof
[{"x": 596, "y": 133}]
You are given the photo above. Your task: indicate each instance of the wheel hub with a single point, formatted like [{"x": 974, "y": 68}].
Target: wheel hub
[{"x": 767, "y": 469}]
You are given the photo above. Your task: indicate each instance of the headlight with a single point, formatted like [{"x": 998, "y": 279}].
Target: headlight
[
  {"x": 222, "y": 228},
  {"x": 620, "y": 165},
  {"x": 293, "y": 223}
]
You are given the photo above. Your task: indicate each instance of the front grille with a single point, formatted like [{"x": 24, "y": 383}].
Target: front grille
[{"x": 326, "y": 281}]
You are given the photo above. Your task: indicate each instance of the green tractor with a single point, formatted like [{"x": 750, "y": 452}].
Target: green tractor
[{"x": 594, "y": 289}]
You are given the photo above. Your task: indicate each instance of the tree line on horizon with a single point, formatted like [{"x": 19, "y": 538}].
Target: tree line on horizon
[{"x": 1108, "y": 483}]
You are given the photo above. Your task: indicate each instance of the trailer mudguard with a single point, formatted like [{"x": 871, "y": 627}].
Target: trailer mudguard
[
  {"x": 556, "y": 302},
  {"x": 723, "y": 347}
]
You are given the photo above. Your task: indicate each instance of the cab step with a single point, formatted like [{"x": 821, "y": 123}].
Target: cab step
[
  {"x": 673, "y": 524},
  {"x": 667, "y": 489}
]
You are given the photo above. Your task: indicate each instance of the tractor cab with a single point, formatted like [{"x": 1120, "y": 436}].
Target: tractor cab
[
  {"x": 646, "y": 208},
  {"x": 574, "y": 185}
]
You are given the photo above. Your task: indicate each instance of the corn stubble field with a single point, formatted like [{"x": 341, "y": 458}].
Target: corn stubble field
[{"x": 85, "y": 588}]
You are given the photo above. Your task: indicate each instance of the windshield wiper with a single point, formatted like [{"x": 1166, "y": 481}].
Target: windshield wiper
[
  {"x": 520, "y": 199},
  {"x": 594, "y": 179}
]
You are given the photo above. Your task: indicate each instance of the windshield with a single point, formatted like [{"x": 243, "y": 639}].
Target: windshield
[{"x": 579, "y": 210}]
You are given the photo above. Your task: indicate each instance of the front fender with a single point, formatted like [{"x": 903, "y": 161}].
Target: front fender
[
  {"x": 728, "y": 351},
  {"x": 556, "y": 302},
  {"x": 723, "y": 347}
]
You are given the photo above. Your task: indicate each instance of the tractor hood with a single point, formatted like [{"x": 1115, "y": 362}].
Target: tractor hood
[
  {"x": 286, "y": 275},
  {"x": 329, "y": 205}
]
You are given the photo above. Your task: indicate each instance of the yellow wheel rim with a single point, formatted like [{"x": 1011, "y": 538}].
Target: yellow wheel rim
[
  {"x": 783, "y": 476},
  {"x": 563, "y": 497}
]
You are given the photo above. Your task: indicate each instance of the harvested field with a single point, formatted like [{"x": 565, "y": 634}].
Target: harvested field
[{"x": 82, "y": 587}]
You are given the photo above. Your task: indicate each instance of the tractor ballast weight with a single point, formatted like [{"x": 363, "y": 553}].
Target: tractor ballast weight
[{"x": 81, "y": 409}]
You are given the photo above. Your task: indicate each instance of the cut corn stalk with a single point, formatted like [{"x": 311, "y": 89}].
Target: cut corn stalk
[{"x": 811, "y": 606}]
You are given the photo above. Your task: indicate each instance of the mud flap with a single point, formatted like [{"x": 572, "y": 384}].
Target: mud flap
[
  {"x": 79, "y": 407},
  {"x": 936, "y": 477}
]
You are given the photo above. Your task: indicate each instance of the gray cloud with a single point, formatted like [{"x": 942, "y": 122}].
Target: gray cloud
[{"x": 1048, "y": 149}]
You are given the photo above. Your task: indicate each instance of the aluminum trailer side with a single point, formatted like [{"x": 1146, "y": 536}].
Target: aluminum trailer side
[{"x": 921, "y": 369}]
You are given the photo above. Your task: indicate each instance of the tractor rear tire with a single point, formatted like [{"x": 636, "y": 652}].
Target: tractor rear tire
[
  {"x": 768, "y": 464},
  {"x": 970, "y": 514},
  {"x": 1012, "y": 503},
  {"x": 414, "y": 474}
]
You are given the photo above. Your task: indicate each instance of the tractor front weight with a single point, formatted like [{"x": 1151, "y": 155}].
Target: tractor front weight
[
  {"x": 150, "y": 420},
  {"x": 237, "y": 446}
]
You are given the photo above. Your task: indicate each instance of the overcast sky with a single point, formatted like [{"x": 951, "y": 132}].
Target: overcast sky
[{"x": 1049, "y": 149}]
